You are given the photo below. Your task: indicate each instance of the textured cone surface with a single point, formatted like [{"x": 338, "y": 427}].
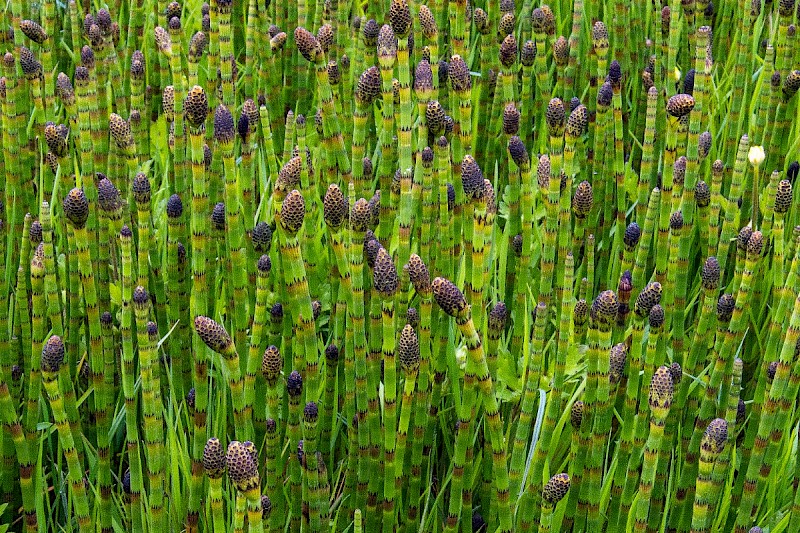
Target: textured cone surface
[
  {"x": 262, "y": 237},
  {"x": 271, "y": 363},
  {"x": 408, "y": 349},
  {"x": 412, "y": 317},
  {"x": 578, "y": 121},
  {"x": 459, "y": 75},
  {"x": 680, "y": 105},
  {"x": 76, "y": 207},
  {"x": 556, "y": 115},
  {"x": 617, "y": 362},
  {"x": 224, "y": 129},
  {"x": 676, "y": 221},
  {"x": 293, "y": 211},
  {"x": 583, "y": 200},
  {"x": 310, "y": 413},
  {"x": 370, "y": 32},
  {"x": 576, "y": 414},
  {"x": 632, "y": 235},
  {"x": 218, "y": 216},
  {"x": 710, "y": 273},
  {"x": 725, "y": 306},
  {"x": 242, "y": 466},
  {"x": 33, "y": 31},
  {"x": 472, "y": 178},
  {"x": 307, "y": 44},
  {"x": 715, "y": 437},
  {"x": 325, "y": 37},
  {"x": 212, "y": 334},
  {"x": 702, "y": 194},
  {"x": 744, "y": 237},
  {"x": 528, "y": 54},
  {"x": 387, "y": 45},
  {"x": 605, "y": 306},
  {"x": 289, "y": 174},
  {"x": 108, "y": 196},
  {"x": 334, "y": 206},
  {"x": 783, "y": 197},
  {"x": 434, "y": 115},
  {"x": 676, "y": 372},
  {"x": 448, "y": 296},
  {"x": 581, "y": 312},
  {"x": 498, "y": 317},
  {"x": 556, "y": 488},
  {"x": 369, "y": 85},
  {"x": 214, "y": 458},
  {"x": 53, "y": 354},
  {"x": 294, "y": 384},
  {"x": 332, "y": 353},
  {"x": 141, "y": 188},
  {"x": 196, "y": 106},
  {"x": 704, "y": 144},
  {"x": 427, "y": 22},
  {"x": 174, "y": 206},
  {"x": 264, "y": 264},
  {"x": 519, "y": 154},
  {"x": 418, "y": 274},
  {"x": 656, "y": 316},
  {"x": 360, "y": 215},
  {"x": 605, "y": 94},
  {"x": 508, "y": 51},
  {"x": 400, "y": 17},
  {"x": 385, "y": 277},
  {"x": 679, "y": 170},
  {"x": 755, "y": 246},
  {"x": 511, "y": 118},
  {"x": 661, "y": 389}
]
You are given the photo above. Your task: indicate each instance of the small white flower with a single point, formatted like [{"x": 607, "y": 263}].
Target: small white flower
[{"x": 756, "y": 155}]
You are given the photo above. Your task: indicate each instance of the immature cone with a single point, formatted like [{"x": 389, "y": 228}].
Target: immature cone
[
  {"x": 679, "y": 170},
  {"x": 412, "y": 317},
  {"x": 506, "y": 25},
  {"x": 387, "y": 46},
  {"x": 528, "y": 54},
  {"x": 196, "y": 107},
  {"x": 783, "y": 197},
  {"x": 632, "y": 235},
  {"x": 33, "y": 31},
  {"x": 676, "y": 372},
  {"x": 294, "y": 384},
  {"x": 55, "y": 142},
  {"x": 168, "y": 103},
  {"x": 197, "y": 46},
  {"x": 141, "y": 188},
  {"x": 576, "y": 414},
  {"x": 31, "y": 67},
  {"x": 293, "y": 211},
  {"x": 371, "y": 248},
  {"x": 725, "y": 306},
  {"x": 419, "y": 275},
  {"x": 52, "y": 354},
  {"x": 451, "y": 197},
  {"x": 262, "y": 237},
  {"x": 600, "y": 36},
  {"x": 423, "y": 80},
  {"x": 76, "y": 207},
  {"x": 743, "y": 238},
  {"x": 661, "y": 391},
  {"x": 427, "y": 22},
  {"x": 556, "y": 117},
  {"x": 214, "y": 459},
  {"x": 605, "y": 94},
  {"x": 307, "y": 45},
  {"x": 334, "y": 207},
  {"x": 583, "y": 200},
  {"x": 656, "y": 317},
  {"x": 710, "y": 273},
  {"x": 218, "y": 216},
  {"x": 511, "y": 119},
  {"x": 370, "y": 32},
  {"x": 250, "y": 110},
  {"x": 35, "y": 234},
  {"x": 289, "y": 174},
  {"x": 755, "y": 246},
  {"x": 617, "y": 362},
  {"x": 714, "y": 439},
  {"x": 64, "y": 89},
  {"x": 680, "y": 105},
  {"x": 791, "y": 84},
  {"x": 604, "y": 308},
  {"x": 449, "y": 297},
  {"x": 332, "y": 354},
  {"x": 704, "y": 144},
  {"x": 434, "y": 115},
  {"x": 556, "y": 489},
  {"x": 242, "y": 467},
  {"x": 325, "y": 37},
  {"x": 518, "y": 152},
  {"x": 108, "y": 196},
  {"x": 459, "y": 75},
  {"x": 676, "y": 221},
  {"x": 481, "y": 20},
  {"x": 702, "y": 194},
  {"x": 400, "y": 17},
  {"x": 408, "y": 349},
  {"x": 360, "y": 216},
  {"x": 508, "y": 51},
  {"x": 578, "y": 120},
  {"x": 120, "y": 131},
  {"x": 561, "y": 51},
  {"x": 385, "y": 275},
  {"x": 310, "y": 413},
  {"x": 580, "y": 313},
  {"x": 212, "y": 334},
  {"x": 472, "y": 178}
]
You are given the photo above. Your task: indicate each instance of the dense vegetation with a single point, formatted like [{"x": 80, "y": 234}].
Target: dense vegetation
[{"x": 456, "y": 266}]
